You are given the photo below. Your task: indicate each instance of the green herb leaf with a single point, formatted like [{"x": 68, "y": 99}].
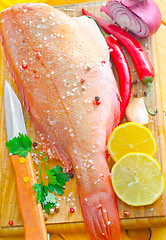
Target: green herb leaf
[
  {"x": 51, "y": 177},
  {"x": 47, "y": 206},
  {"x": 57, "y": 180},
  {"x": 50, "y": 202},
  {"x": 57, "y": 169},
  {"x": 20, "y": 145},
  {"x": 41, "y": 192},
  {"x": 58, "y": 189},
  {"x": 51, "y": 187},
  {"x": 62, "y": 178},
  {"x": 51, "y": 198}
]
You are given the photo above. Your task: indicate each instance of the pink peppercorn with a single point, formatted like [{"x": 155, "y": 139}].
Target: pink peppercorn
[
  {"x": 99, "y": 206},
  {"x": 72, "y": 210},
  {"x": 24, "y": 66},
  {"x": 82, "y": 80},
  {"x": 98, "y": 102},
  {"x": 11, "y": 223},
  {"x": 102, "y": 63},
  {"x": 126, "y": 214}
]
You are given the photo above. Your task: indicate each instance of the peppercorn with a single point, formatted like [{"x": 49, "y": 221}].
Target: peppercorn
[
  {"x": 11, "y": 223},
  {"x": 135, "y": 81},
  {"x": 72, "y": 210},
  {"x": 57, "y": 209},
  {"x": 71, "y": 175},
  {"x": 82, "y": 80},
  {"x": 99, "y": 206},
  {"x": 126, "y": 214},
  {"x": 45, "y": 216},
  {"x": 98, "y": 102},
  {"x": 145, "y": 93},
  {"x": 102, "y": 63},
  {"x": 24, "y": 66},
  {"x": 34, "y": 144},
  {"x": 97, "y": 98}
]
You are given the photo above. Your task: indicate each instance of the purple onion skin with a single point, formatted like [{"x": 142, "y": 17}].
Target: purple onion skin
[{"x": 147, "y": 10}]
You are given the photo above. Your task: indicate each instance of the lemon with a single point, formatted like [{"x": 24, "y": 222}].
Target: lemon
[
  {"x": 137, "y": 179},
  {"x": 131, "y": 137}
]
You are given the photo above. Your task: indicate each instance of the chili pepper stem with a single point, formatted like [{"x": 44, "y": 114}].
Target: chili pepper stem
[
  {"x": 148, "y": 85},
  {"x": 102, "y": 31}
]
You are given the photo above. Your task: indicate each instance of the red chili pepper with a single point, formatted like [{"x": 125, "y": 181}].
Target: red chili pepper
[
  {"x": 139, "y": 57},
  {"x": 123, "y": 71}
]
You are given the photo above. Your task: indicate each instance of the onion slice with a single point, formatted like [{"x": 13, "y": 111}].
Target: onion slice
[{"x": 141, "y": 17}]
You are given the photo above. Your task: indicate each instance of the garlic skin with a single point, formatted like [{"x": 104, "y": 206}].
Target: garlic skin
[{"x": 136, "y": 111}]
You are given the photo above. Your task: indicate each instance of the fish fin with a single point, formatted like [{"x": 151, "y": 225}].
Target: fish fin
[
  {"x": 101, "y": 216},
  {"x": 54, "y": 151}
]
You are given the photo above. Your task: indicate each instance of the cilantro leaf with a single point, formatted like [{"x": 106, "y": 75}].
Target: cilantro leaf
[{"x": 20, "y": 145}]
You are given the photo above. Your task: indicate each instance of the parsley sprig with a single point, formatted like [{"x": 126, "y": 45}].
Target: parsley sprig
[{"x": 57, "y": 179}]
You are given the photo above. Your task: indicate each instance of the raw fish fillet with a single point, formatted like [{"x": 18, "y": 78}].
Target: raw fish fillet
[{"x": 62, "y": 69}]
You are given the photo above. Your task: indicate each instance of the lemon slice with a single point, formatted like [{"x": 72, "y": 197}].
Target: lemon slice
[
  {"x": 131, "y": 137},
  {"x": 137, "y": 179}
]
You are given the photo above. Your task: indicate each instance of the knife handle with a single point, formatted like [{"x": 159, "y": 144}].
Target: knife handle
[{"x": 31, "y": 212}]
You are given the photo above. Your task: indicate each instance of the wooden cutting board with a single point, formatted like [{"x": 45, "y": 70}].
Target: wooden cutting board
[{"x": 64, "y": 221}]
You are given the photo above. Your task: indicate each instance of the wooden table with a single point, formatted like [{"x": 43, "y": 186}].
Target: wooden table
[{"x": 157, "y": 233}]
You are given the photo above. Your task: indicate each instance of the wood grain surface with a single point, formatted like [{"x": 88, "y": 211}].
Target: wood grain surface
[{"x": 153, "y": 215}]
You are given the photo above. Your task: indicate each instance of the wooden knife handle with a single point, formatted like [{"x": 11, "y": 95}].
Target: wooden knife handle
[{"x": 31, "y": 212}]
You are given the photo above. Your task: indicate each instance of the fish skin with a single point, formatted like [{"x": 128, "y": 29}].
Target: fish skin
[{"x": 59, "y": 52}]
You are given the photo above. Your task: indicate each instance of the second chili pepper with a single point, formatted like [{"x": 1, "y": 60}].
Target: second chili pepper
[
  {"x": 139, "y": 57},
  {"x": 123, "y": 71}
]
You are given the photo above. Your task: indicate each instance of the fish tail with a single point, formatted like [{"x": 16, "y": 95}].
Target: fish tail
[{"x": 101, "y": 215}]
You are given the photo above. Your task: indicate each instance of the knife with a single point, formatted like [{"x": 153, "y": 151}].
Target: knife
[{"x": 31, "y": 212}]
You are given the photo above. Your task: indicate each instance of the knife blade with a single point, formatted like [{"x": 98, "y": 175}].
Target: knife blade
[
  {"x": 13, "y": 113},
  {"x": 31, "y": 212}
]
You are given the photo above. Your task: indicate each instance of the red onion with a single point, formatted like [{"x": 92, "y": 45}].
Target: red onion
[{"x": 141, "y": 17}]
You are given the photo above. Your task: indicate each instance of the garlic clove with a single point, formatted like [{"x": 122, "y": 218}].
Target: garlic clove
[{"x": 136, "y": 111}]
